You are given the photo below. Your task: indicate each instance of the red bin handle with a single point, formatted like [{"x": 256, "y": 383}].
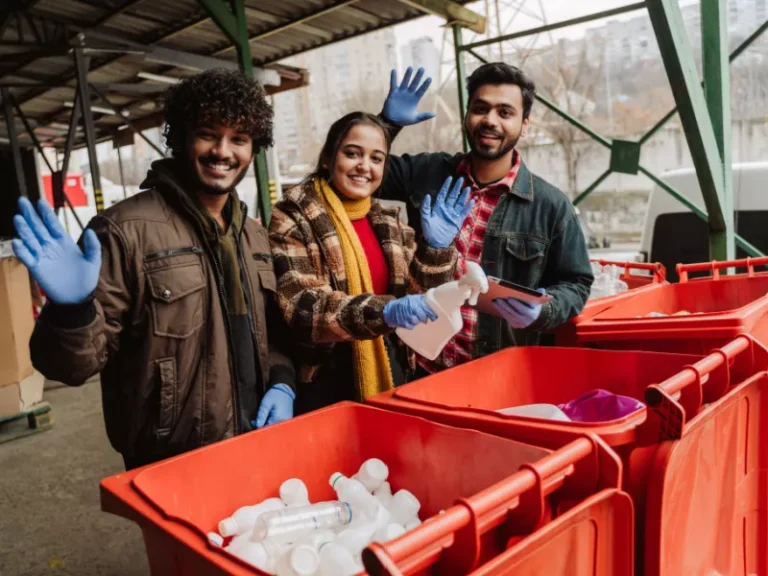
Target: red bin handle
[
  {"x": 715, "y": 266},
  {"x": 657, "y": 268},
  {"x": 674, "y": 413},
  {"x": 524, "y": 491}
]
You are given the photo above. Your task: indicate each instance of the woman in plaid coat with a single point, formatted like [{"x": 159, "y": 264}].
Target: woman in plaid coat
[{"x": 349, "y": 271}]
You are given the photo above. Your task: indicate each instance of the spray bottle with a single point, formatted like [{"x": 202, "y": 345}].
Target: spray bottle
[{"x": 446, "y": 301}]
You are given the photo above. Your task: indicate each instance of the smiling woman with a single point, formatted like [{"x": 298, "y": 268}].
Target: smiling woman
[{"x": 345, "y": 265}]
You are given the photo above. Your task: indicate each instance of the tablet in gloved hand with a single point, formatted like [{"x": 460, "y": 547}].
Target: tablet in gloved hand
[{"x": 498, "y": 288}]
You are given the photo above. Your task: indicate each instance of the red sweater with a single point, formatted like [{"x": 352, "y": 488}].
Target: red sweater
[{"x": 375, "y": 255}]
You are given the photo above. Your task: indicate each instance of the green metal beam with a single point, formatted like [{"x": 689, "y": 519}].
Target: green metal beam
[
  {"x": 717, "y": 90},
  {"x": 592, "y": 187},
  {"x": 684, "y": 79},
  {"x": 454, "y": 13},
  {"x": 246, "y": 64},
  {"x": 461, "y": 79},
  {"x": 220, "y": 13},
  {"x": 741, "y": 48},
  {"x": 557, "y": 25}
]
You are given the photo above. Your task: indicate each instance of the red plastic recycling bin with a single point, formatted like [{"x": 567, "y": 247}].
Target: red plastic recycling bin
[
  {"x": 698, "y": 315},
  {"x": 695, "y": 463},
  {"x": 549, "y": 512},
  {"x": 639, "y": 276}
]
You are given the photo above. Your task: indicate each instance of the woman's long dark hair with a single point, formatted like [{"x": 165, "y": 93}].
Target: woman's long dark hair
[{"x": 336, "y": 135}]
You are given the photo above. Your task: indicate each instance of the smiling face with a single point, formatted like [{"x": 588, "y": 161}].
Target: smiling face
[
  {"x": 219, "y": 155},
  {"x": 358, "y": 166},
  {"x": 494, "y": 121}
]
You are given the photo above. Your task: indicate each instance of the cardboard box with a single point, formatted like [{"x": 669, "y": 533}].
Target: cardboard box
[
  {"x": 16, "y": 321},
  {"x": 21, "y": 396}
]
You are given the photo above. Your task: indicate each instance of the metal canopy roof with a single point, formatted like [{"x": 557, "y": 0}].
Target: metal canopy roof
[{"x": 171, "y": 38}]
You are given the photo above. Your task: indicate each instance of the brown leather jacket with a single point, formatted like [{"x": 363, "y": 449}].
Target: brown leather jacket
[{"x": 157, "y": 332}]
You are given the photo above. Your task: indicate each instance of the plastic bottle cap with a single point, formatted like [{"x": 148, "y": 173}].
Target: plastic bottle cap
[
  {"x": 305, "y": 560},
  {"x": 215, "y": 539},
  {"x": 228, "y": 527},
  {"x": 335, "y": 477},
  {"x": 375, "y": 469}
]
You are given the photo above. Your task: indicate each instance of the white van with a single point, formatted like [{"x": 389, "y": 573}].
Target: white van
[{"x": 673, "y": 234}]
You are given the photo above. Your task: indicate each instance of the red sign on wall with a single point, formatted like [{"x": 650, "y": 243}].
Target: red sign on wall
[{"x": 74, "y": 188}]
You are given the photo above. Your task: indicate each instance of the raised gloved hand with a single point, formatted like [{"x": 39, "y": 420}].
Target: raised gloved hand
[
  {"x": 402, "y": 103},
  {"x": 275, "y": 407},
  {"x": 408, "y": 312},
  {"x": 442, "y": 222},
  {"x": 517, "y": 313},
  {"x": 56, "y": 263}
]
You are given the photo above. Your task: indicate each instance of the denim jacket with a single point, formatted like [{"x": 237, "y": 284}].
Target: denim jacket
[{"x": 533, "y": 238}]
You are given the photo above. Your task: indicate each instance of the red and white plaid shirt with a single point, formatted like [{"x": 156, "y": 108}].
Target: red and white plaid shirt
[{"x": 469, "y": 244}]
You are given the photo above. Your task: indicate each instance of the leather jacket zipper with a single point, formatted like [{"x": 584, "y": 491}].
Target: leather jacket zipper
[{"x": 172, "y": 252}]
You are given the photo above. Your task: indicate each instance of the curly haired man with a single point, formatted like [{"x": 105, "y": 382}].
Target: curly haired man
[{"x": 172, "y": 297}]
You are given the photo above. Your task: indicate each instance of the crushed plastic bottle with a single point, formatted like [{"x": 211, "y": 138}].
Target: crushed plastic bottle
[
  {"x": 290, "y": 524},
  {"x": 244, "y": 518}
]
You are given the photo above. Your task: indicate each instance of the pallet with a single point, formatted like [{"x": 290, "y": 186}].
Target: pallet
[{"x": 37, "y": 419}]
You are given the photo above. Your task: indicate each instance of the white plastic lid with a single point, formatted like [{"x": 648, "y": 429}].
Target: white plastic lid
[
  {"x": 372, "y": 473},
  {"x": 294, "y": 492},
  {"x": 335, "y": 477},
  {"x": 215, "y": 539},
  {"x": 304, "y": 560},
  {"x": 228, "y": 527}
]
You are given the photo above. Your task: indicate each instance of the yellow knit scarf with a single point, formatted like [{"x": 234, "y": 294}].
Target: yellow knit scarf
[{"x": 372, "y": 369}]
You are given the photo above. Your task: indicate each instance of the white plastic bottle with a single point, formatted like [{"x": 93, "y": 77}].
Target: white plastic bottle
[
  {"x": 352, "y": 491},
  {"x": 384, "y": 493},
  {"x": 446, "y": 301},
  {"x": 404, "y": 507},
  {"x": 335, "y": 560},
  {"x": 356, "y": 537},
  {"x": 294, "y": 493},
  {"x": 390, "y": 532},
  {"x": 372, "y": 474},
  {"x": 415, "y": 523},
  {"x": 244, "y": 518},
  {"x": 290, "y": 524},
  {"x": 304, "y": 557},
  {"x": 266, "y": 556}
]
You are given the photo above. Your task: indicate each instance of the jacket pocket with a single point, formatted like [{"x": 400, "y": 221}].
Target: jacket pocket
[
  {"x": 526, "y": 258},
  {"x": 177, "y": 299},
  {"x": 166, "y": 419},
  {"x": 266, "y": 274}
]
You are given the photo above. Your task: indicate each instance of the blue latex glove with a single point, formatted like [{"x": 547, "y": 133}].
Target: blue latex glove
[
  {"x": 402, "y": 103},
  {"x": 275, "y": 407},
  {"x": 442, "y": 223},
  {"x": 408, "y": 312},
  {"x": 517, "y": 313},
  {"x": 66, "y": 275}
]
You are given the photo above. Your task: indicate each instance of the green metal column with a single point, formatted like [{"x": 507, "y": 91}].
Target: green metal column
[
  {"x": 260, "y": 161},
  {"x": 461, "y": 79},
  {"x": 684, "y": 80},
  {"x": 231, "y": 20},
  {"x": 717, "y": 90}
]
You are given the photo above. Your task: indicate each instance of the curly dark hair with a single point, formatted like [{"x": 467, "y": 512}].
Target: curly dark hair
[{"x": 217, "y": 96}]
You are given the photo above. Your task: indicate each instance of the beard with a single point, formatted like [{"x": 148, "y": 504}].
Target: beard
[
  {"x": 506, "y": 144},
  {"x": 217, "y": 189}
]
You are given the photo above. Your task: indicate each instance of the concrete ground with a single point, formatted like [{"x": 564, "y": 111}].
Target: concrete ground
[{"x": 51, "y": 522}]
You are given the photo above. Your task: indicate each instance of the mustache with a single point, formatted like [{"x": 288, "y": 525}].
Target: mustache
[
  {"x": 215, "y": 160},
  {"x": 482, "y": 130}
]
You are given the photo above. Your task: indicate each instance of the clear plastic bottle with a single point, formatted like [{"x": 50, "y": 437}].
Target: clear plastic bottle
[
  {"x": 244, "y": 518},
  {"x": 290, "y": 524}
]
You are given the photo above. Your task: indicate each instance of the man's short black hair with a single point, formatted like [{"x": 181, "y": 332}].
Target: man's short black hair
[
  {"x": 499, "y": 73},
  {"x": 217, "y": 97}
]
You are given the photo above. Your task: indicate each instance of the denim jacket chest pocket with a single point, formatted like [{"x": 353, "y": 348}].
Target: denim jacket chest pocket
[{"x": 524, "y": 260}]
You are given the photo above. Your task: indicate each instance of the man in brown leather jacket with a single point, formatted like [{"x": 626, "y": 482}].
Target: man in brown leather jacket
[{"x": 172, "y": 298}]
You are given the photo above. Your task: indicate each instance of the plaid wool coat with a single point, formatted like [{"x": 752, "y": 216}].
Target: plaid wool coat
[{"x": 311, "y": 279}]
